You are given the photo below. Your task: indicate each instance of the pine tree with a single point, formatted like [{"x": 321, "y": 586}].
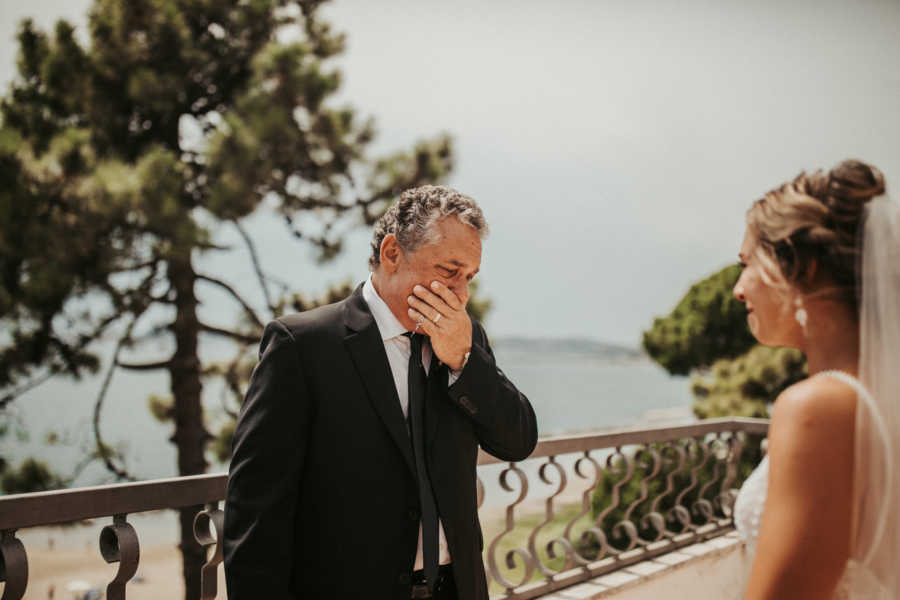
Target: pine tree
[
  {"x": 706, "y": 336},
  {"x": 707, "y": 324},
  {"x": 120, "y": 159}
]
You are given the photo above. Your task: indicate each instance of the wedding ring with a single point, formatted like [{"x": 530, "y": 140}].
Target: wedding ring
[{"x": 437, "y": 318}]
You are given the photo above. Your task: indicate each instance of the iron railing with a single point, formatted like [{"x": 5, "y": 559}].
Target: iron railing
[{"x": 644, "y": 492}]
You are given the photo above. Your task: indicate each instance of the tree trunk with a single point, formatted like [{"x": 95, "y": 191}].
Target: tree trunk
[{"x": 190, "y": 435}]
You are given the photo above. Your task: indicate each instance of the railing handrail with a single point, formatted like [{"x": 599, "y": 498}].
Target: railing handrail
[
  {"x": 566, "y": 444},
  {"x": 19, "y": 511},
  {"x": 637, "y": 455}
]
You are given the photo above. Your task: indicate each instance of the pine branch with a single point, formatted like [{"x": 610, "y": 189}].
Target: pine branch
[
  {"x": 234, "y": 335},
  {"x": 254, "y": 258},
  {"x": 138, "y": 267},
  {"x": 211, "y": 246},
  {"x": 10, "y": 396},
  {"x": 250, "y": 312},
  {"x": 163, "y": 364},
  {"x": 102, "y": 448},
  {"x": 153, "y": 334},
  {"x": 55, "y": 369}
]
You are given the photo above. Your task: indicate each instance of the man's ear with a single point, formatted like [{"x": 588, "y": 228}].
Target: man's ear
[{"x": 390, "y": 253}]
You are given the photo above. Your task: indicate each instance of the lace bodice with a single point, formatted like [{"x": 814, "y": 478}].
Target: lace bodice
[
  {"x": 857, "y": 582},
  {"x": 749, "y": 505}
]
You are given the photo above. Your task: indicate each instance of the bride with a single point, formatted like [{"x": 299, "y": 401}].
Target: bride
[{"x": 821, "y": 259}]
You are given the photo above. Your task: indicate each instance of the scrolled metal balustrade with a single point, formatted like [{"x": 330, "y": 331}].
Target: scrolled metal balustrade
[
  {"x": 639, "y": 493},
  {"x": 643, "y": 493},
  {"x": 208, "y": 520},
  {"x": 119, "y": 544},
  {"x": 13, "y": 565}
]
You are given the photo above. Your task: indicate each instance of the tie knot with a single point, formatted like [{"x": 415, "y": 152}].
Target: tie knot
[{"x": 415, "y": 345}]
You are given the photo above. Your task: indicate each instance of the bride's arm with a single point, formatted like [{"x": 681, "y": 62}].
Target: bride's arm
[{"x": 804, "y": 539}]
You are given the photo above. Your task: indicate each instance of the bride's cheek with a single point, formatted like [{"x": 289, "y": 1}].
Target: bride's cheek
[{"x": 753, "y": 323}]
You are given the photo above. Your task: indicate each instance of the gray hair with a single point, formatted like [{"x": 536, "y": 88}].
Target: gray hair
[{"x": 412, "y": 217}]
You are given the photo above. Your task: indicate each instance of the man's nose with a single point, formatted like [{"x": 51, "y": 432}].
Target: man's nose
[{"x": 461, "y": 291}]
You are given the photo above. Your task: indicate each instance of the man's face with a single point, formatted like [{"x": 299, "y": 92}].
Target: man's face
[{"x": 453, "y": 258}]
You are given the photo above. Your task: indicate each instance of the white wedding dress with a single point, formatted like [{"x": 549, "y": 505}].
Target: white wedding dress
[{"x": 857, "y": 582}]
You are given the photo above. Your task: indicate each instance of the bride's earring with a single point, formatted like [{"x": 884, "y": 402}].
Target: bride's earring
[{"x": 800, "y": 314}]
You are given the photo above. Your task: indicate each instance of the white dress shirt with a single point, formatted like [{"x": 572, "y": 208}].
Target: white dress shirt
[{"x": 397, "y": 347}]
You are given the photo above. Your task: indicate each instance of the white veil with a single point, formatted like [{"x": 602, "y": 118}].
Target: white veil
[{"x": 876, "y": 542}]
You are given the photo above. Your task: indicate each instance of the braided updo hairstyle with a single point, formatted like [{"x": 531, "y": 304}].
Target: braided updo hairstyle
[{"x": 816, "y": 217}]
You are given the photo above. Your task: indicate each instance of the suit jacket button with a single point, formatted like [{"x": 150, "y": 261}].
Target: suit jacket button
[
  {"x": 413, "y": 514},
  {"x": 404, "y": 578}
]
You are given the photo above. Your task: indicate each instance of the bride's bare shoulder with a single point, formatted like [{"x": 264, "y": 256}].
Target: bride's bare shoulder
[{"x": 813, "y": 416}]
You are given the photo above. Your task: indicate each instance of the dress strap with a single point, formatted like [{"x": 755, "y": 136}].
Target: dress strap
[
  {"x": 849, "y": 380},
  {"x": 867, "y": 399}
]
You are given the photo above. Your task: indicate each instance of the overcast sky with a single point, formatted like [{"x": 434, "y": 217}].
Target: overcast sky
[{"x": 614, "y": 146}]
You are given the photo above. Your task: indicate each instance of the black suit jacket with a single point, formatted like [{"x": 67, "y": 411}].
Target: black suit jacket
[{"x": 322, "y": 499}]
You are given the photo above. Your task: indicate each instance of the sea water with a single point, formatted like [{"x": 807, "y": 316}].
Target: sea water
[{"x": 571, "y": 392}]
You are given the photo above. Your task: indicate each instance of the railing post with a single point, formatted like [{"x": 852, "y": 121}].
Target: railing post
[
  {"x": 549, "y": 513},
  {"x": 204, "y": 523},
  {"x": 13, "y": 565},
  {"x": 523, "y": 554},
  {"x": 119, "y": 543}
]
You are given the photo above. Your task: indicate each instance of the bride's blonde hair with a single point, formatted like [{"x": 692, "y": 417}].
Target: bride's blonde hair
[{"x": 815, "y": 217}]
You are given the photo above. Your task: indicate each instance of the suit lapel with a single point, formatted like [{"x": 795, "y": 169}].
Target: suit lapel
[{"x": 367, "y": 350}]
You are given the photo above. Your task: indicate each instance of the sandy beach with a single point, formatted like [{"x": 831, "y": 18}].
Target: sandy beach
[
  {"x": 64, "y": 557},
  {"x": 158, "y": 576}
]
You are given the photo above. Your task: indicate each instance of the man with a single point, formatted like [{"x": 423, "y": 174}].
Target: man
[{"x": 353, "y": 466}]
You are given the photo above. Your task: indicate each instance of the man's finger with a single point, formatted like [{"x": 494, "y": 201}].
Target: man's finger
[
  {"x": 433, "y": 300},
  {"x": 425, "y": 324},
  {"x": 448, "y": 295},
  {"x": 426, "y": 309}
]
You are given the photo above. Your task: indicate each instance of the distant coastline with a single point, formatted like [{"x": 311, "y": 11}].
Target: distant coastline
[
  {"x": 581, "y": 347},
  {"x": 574, "y": 385}
]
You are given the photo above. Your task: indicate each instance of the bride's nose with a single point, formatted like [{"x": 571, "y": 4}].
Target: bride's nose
[{"x": 738, "y": 292}]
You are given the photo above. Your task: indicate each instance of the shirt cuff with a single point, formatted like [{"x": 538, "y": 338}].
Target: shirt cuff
[{"x": 454, "y": 374}]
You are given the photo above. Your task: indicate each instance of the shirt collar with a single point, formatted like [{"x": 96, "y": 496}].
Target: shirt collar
[{"x": 388, "y": 325}]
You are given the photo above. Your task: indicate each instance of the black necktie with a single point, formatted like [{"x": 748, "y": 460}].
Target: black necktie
[{"x": 418, "y": 383}]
